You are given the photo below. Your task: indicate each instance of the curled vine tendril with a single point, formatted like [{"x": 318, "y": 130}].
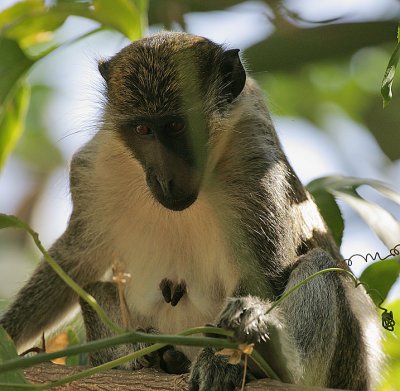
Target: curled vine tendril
[
  {"x": 388, "y": 322},
  {"x": 394, "y": 252}
]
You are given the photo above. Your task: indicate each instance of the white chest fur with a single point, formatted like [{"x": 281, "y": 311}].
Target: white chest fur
[
  {"x": 180, "y": 246},
  {"x": 154, "y": 243}
]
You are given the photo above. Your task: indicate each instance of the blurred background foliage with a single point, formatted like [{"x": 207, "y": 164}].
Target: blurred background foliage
[{"x": 320, "y": 63}]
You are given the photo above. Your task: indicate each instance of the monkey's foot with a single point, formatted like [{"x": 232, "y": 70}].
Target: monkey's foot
[
  {"x": 247, "y": 318},
  {"x": 173, "y": 361},
  {"x": 211, "y": 372},
  {"x": 172, "y": 292}
]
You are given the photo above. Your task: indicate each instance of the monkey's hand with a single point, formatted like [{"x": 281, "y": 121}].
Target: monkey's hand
[
  {"x": 247, "y": 318},
  {"x": 172, "y": 292}
]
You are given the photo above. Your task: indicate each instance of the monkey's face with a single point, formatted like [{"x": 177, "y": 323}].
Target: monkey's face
[
  {"x": 161, "y": 143},
  {"x": 161, "y": 92}
]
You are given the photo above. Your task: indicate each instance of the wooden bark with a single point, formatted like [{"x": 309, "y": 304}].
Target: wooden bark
[{"x": 141, "y": 380}]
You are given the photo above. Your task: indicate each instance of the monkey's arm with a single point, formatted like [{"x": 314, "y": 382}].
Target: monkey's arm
[
  {"x": 45, "y": 298},
  {"x": 312, "y": 338}
]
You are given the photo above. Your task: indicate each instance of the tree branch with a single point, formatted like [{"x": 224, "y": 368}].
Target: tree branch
[{"x": 142, "y": 380}]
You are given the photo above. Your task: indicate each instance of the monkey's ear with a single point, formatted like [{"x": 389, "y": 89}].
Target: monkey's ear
[
  {"x": 233, "y": 73},
  {"x": 104, "y": 68}
]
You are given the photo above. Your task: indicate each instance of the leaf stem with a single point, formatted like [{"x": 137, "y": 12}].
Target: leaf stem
[
  {"x": 301, "y": 283},
  {"x": 179, "y": 339}
]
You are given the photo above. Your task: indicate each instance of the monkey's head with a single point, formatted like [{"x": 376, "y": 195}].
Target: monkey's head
[{"x": 161, "y": 92}]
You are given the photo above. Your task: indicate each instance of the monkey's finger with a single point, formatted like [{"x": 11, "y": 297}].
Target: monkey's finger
[
  {"x": 178, "y": 294},
  {"x": 165, "y": 286}
]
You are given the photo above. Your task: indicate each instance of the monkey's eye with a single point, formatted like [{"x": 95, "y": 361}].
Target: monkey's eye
[
  {"x": 143, "y": 130},
  {"x": 175, "y": 128}
]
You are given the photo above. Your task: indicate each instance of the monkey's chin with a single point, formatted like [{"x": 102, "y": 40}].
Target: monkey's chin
[{"x": 177, "y": 205}]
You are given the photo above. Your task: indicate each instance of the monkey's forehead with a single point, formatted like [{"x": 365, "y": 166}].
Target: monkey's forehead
[
  {"x": 154, "y": 72},
  {"x": 167, "y": 45},
  {"x": 173, "y": 40}
]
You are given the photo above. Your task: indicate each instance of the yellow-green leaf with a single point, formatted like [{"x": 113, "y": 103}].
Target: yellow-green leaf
[
  {"x": 381, "y": 276},
  {"x": 30, "y": 22},
  {"x": 125, "y": 16},
  {"x": 12, "y": 120}
]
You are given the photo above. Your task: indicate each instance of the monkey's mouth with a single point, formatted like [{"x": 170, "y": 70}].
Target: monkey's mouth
[
  {"x": 171, "y": 194},
  {"x": 177, "y": 205}
]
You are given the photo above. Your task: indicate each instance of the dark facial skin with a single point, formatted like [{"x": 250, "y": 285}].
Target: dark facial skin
[{"x": 162, "y": 145}]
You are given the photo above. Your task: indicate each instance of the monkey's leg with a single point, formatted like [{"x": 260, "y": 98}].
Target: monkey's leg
[
  {"x": 106, "y": 294},
  {"x": 326, "y": 325}
]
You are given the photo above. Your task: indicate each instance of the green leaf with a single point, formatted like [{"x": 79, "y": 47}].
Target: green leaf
[
  {"x": 8, "y": 352},
  {"x": 126, "y": 16},
  {"x": 330, "y": 212},
  {"x": 381, "y": 276},
  {"x": 386, "y": 227},
  {"x": 12, "y": 120},
  {"x": 14, "y": 97},
  {"x": 73, "y": 339},
  {"x": 13, "y": 66},
  {"x": 386, "y": 88},
  {"x": 32, "y": 22}
]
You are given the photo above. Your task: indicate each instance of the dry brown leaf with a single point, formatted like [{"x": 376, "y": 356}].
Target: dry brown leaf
[{"x": 59, "y": 342}]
